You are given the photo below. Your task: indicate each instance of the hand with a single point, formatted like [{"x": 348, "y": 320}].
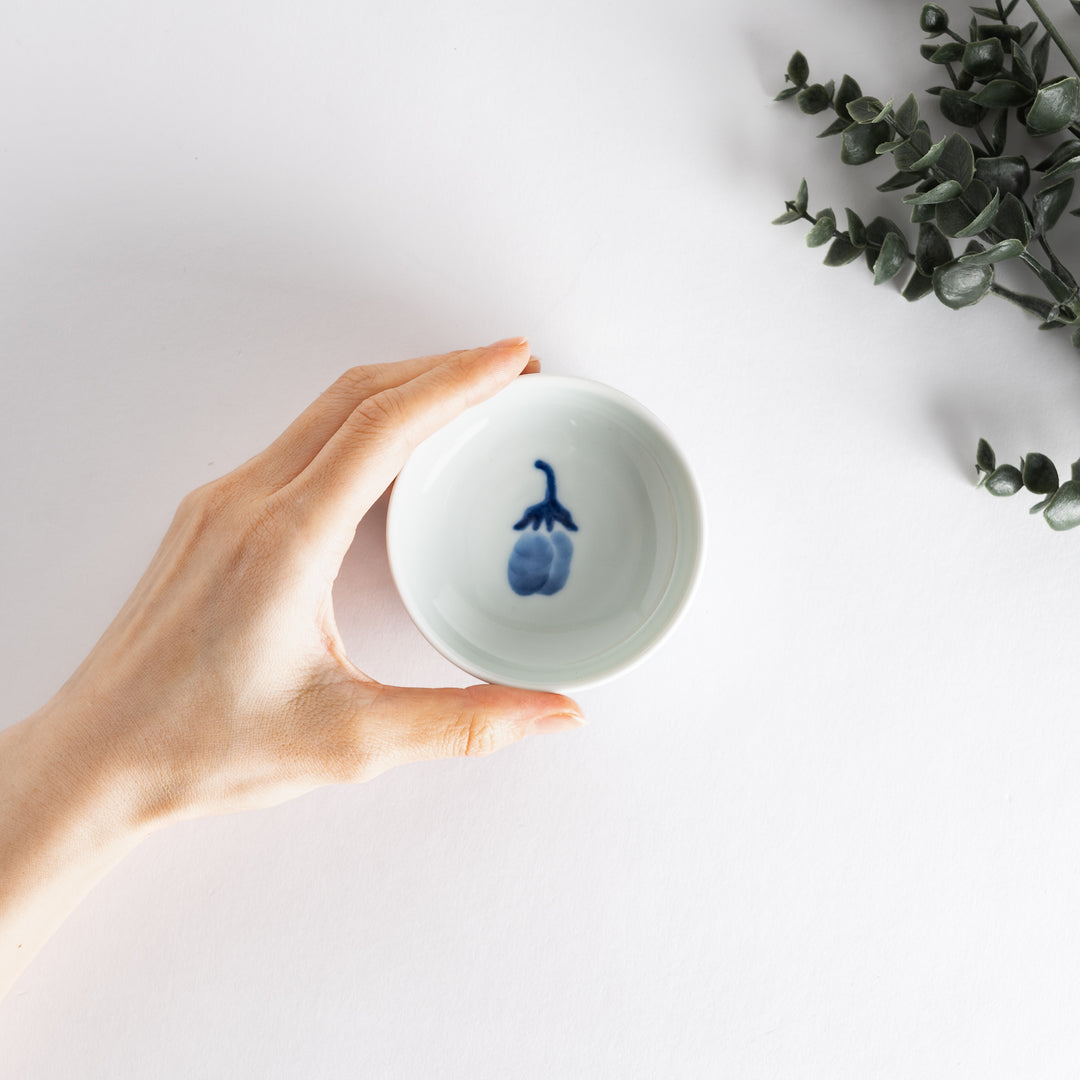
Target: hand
[{"x": 223, "y": 683}]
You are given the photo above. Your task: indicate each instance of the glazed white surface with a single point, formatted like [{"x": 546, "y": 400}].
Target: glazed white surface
[
  {"x": 636, "y": 550},
  {"x": 829, "y": 830}
]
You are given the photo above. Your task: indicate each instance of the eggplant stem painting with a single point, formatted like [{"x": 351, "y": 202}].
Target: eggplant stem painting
[{"x": 539, "y": 564}]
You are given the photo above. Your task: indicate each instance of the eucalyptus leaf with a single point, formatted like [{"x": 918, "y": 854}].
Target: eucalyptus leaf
[
  {"x": 856, "y": 229},
  {"x": 802, "y": 197},
  {"x": 899, "y": 181},
  {"x": 813, "y": 99},
  {"x": 949, "y": 53},
  {"x": 1012, "y": 220},
  {"x": 1063, "y": 510},
  {"x": 918, "y": 286},
  {"x": 960, "y": 108},
  {"x": 957, "y": 161},
  {"x": 1004, "y": 480},
  {"x": 929, "y": 159},
  {"x": 822, "y": 230},
  {"x": 788, "y": 218},
  {"x": 841, "y": 252},
  {"x": 876, "y": 233},
  {"x": 890, "y": 260},
  {"x": 798, "y": 69},
  {"x": 985, "y": 459},
  {"x": 943, "y": 192},
  {"x": 1055, "y": 106},
  {"x": 1040, "y": 57},
  {"x": 846, "y": 92},
  {"x": 931, "y": 250},
  {"x": 865, "y": 110},
  {"x": 984, "y": 58},
  {"x": 956, "y": 215},
  {"x": 933, "y": 19},
  {"x": 859, "y": 143},
  {"x": 958, "y": 285},
  {"x": 1003, "y": 94},
  {"x": 983, "y": 219},
  {"x": 1021, "y": 67},
  {"x": 1004, "y": 174},
  {"x": 1040, "y": 475},
  {"x": 1049, "y": 204},
  {"x": 907, "y": 116},
  {"x": 999, "y": 252},
  {"x": 837, "y": 126}
]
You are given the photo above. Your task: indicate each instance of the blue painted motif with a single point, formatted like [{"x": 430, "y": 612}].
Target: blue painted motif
[{"x": 539, "y": 564}]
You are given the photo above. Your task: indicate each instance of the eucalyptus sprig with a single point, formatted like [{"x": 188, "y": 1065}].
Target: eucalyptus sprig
[
  {"x": 963, "y": 190},
  {"x": 1060, "y": 504},
  {"x": 966, "y": 187}
]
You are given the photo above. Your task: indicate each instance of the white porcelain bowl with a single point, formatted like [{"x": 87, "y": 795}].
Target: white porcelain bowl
[{"x": 528, "y": 586}]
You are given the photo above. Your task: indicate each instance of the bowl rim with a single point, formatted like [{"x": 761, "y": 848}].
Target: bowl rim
[{"x": 698, "y": 539}]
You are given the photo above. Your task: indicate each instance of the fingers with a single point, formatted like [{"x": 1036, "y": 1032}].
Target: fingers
[
  {"x": 371, "y": 445},
  {"x": 417, "y": 724},
  {"x": 295, "y": 448}
]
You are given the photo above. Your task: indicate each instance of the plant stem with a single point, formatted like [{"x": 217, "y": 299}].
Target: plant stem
[{"x": 1052, "y": 30}]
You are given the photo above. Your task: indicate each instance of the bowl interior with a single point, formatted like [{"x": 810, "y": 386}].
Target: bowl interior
[{"x": 607, "y": 545}]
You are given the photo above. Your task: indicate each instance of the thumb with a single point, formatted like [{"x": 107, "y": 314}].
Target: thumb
[{"x": 421, "y": 724}]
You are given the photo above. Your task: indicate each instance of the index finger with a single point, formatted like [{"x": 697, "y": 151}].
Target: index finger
[{"x": 369, "y": 449}]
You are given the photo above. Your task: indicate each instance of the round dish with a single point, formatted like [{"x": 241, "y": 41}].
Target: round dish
[{"x": 548, "y": 538}]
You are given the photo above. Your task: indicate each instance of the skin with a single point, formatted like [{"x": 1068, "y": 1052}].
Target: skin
[{"x": 223, "y": 683}]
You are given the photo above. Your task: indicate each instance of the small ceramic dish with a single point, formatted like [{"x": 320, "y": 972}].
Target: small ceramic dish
[{"x": 548, "y": 538}]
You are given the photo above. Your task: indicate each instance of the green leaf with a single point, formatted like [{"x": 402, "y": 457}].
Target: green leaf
[
  {"x": 1021, "y": 67},
  {"x": 1063, "y": 510},
  {"x": 1055, "y": 106},
  {"x": 856, "y": 229},
  {"x": 983, "y": 219},
  {"x": 957, "y": 162},
  {"x": 984, "y": 59},
  {"x": 960, "y": 108},
  {"x": 985, "y": 460},
  {"x": 986, "y": 13},
  {"x": 933, "y": 19},
  {"x": 798, "y": 69},
  {"x": 867, "y": 110},
  {"x": 918, "y": 286},
  {"x": 858, "y": 143},
  {"x": 1004, "y": 480},
  {"x": 907, "y": 116},
  {"x": 1040, "y": 57},
  {"x": 952, "y": 217},
  {"x": 890, "y": 260},
  {"x": 1003, "y": 94},
  {"x": 899, "y": 181},
  {"x": 787, "y": 92},
  {"x": 959, "y": 286},
  {"x": 1012, "y": 220},
  {"x": 1004, "y": 174},
  {"x": 929, "y": 159},
  {"x": 998, "y": 130},
  {"x": 1075, "y": 468},
  {"x": 1049, "y": 204},
  {"x": 838, "y": 125},
  {"x": 847, "y": 92},
  {"x": 841, "y": 252},
  {"x": 1070, "y": 148},
  {"x": 813, "y": 99},
  {"x": 931, "y": 250},
  {"x": 802, "y": 197},
  {"x": 949, "y": 53},
  {"x": 788, "y": 218},
  {"x": 1040, "y": 475},
  {"x": 943, "y": 192},
  {"x": 999, "y": 252},
  {"x": 876, "y": 234},
  {"x": 889, "y": 147},
  {"x": 920, "y": 214},
  {"x": 822, "y": 231}
]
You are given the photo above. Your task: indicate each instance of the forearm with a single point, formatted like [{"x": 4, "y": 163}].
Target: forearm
[{"x": 65, "y": 820}]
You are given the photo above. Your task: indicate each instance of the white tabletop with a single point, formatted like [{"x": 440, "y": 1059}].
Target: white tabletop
[{"x": 830, "y": 830}]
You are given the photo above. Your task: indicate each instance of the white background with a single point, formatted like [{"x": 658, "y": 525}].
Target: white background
[{"x": 830, "y": 830}]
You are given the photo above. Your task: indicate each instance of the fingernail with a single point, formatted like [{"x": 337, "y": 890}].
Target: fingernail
[
  {"x": 563, "y": 721},
  {"x": 508, "y": 343}
]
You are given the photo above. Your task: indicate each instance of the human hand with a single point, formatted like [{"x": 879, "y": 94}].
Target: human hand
[{"x": 223, "y": 682}]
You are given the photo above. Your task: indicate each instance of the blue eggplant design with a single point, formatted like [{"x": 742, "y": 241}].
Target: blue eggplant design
[{"x": 539, "y": 564}]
